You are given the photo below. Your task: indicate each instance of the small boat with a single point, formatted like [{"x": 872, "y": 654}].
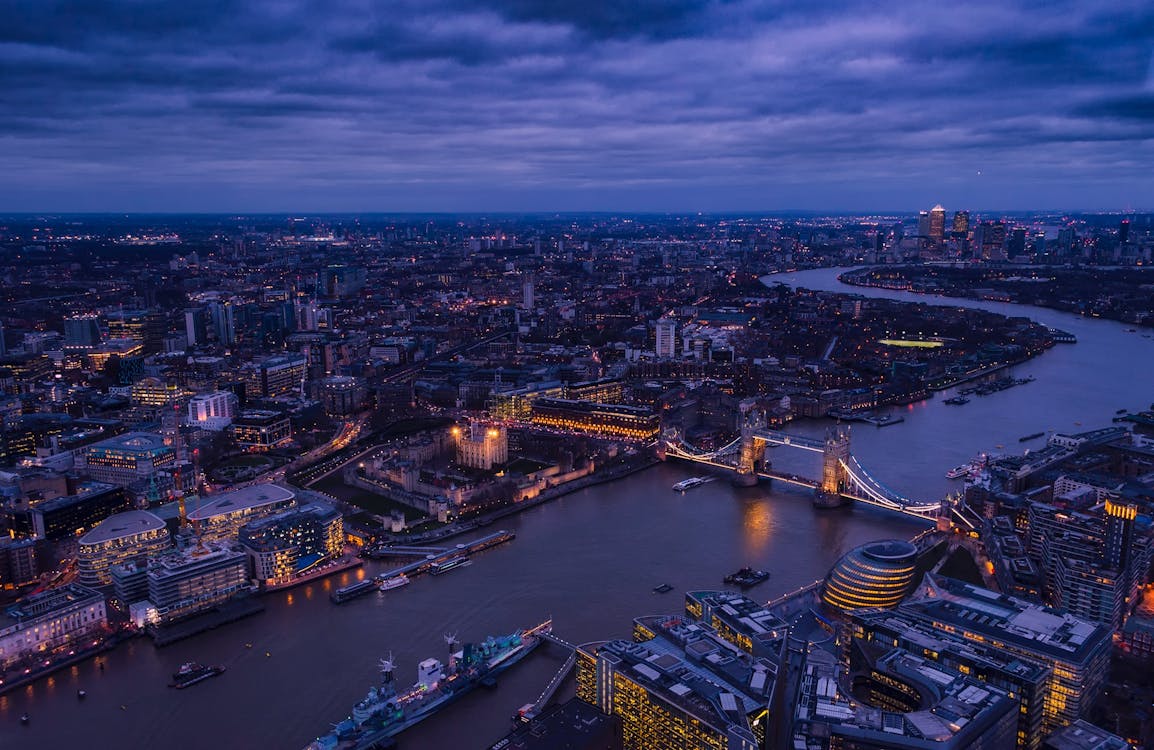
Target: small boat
[
  {"x": 956, "y": 401},
  {"x": 81, "y": 695},
  {"x": 393, "y": 582},
  {"x": 191, "y": 673},
  {"x": 664, "y": 588},
  {"x": 24, "y": 718}
]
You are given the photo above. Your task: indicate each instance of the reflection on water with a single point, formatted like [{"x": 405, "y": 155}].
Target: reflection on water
[{"x": 756, "y": 520}]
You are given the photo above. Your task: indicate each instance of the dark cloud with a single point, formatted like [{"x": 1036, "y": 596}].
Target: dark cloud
[{"x": 507, "y": 104}]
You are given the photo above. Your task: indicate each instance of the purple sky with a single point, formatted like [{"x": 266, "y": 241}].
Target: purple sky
[{"x": 525, "y": 105}]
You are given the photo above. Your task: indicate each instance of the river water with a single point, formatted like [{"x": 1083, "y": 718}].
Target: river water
[{"x": 589, "y": 560}]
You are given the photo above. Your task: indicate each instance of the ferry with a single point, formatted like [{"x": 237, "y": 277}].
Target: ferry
[
  {"x": 688, "y": 484},
  {"x": 191, "y": 673},
  {"x": 387, "y": 710},
  {"x": 958, "y": 471},
  {"x": 447, "y": 565},
  {"x": 393, "y": 582}
]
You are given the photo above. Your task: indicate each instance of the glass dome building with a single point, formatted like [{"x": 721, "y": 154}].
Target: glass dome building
[{"x": 878, "y": 574}]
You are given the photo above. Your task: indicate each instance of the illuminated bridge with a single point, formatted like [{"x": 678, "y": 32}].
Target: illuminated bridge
[{"x": 842, "y": 479}]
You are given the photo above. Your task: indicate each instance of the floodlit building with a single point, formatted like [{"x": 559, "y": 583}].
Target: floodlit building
[
  {"x": 129, "y": 458},
  {"x": 187, "y": 582},
  {"x": 116, "y": 539},
  {"x": 53, "y": 621},
  {"x": 481, "y": 446},
  {"x": 219, "y": 517},
  {"x": 289, "y": 543},
  {"x": 878, "y": 574}
]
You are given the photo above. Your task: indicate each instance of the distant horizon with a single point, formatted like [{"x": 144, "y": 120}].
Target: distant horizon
[
  {"x": 774, "y": 213},
  {"x": 524, "y": 106}
]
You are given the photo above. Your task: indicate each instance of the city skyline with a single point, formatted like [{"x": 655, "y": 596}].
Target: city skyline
[{"x": 475, "y": 106}]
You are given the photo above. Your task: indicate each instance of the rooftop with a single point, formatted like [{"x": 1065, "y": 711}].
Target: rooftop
[
  {"x": 144, "y": 442},
  {"x": 243, "y": 499},
  {"x": 123, "y": 525}
]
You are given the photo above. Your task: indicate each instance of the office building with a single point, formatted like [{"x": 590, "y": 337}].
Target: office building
[
  {"x": 128, "y": 459},
  {"x": 876, "y": 630},
  {"x": 127, "y": 324},
  {"x": 219, "y": 517},
  {"x": 82, "y": 332},
  {"x": 195, "y": 329},
  {"x": 287, "y": 544},
  {"x": 961, "y": 225},
  {"x": 665, "y": 331},
  {"x": 18, "y": 563},
  {"x": 223, "y": 316},
  {"x": 679, "y": 684},
  {"x": 124, "y": 536},
  {"x": 480, "y": 446},
  {"x": 186, "y": 582},
  {"x": 878, "y": 574},
  {"x": 53, "y": 622},
  {"x": 212, "y": 411},
  {"x": 342, "y": 395},
  {"x": 261, "y": 429},
  {"x": 902, "y": 702},
  {"x": 740, "y": 620},
  {"x": 615, "y": 420},
  {"x": 275, "y": 376},
  {"x": 1075, "y": 650},
  {"x": 155, "y": 392},
  {"x": 937, "y": 227},
  {"x": 89, "y": 504}
]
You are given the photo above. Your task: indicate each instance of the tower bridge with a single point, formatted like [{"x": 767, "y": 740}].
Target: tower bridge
[{"x": 843, "y": 478}]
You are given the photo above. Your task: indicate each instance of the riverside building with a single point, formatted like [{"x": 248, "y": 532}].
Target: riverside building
[{"x": 117, "y": 539}]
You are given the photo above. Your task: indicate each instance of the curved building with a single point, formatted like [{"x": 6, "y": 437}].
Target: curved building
[
  {"x": 878, "y": 574},
  {"x": 117, "y": 539}
]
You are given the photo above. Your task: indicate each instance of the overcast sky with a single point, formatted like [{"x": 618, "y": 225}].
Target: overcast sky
[{"x": 511, "y": 105}]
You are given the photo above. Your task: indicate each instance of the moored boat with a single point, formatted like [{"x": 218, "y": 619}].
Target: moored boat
[
  {"x": 191, "y": 673},
  {"x": 393, "y": 582},
  {"x": 386, "y": 711}
]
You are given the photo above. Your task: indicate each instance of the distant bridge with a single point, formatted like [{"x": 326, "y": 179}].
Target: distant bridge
[{"x": 842, "y": 478}]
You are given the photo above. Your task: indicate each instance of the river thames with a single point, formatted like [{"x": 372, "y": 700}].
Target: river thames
[{"x": 589, "y": 560}]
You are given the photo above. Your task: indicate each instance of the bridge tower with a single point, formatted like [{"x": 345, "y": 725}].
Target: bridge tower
[
  {"x": 834, "y": 477},
  {"x": 752, "y": 418}
]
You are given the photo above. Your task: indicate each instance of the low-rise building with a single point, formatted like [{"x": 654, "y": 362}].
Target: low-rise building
[
  {"x": 53, "y": 621},
  {"x": 128, "y": 459}
]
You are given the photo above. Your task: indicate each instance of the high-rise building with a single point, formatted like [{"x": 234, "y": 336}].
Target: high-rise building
[
  {"x": 527, "y": 300},
  {"x": 923, "y": 223},
  {"x": 666, "y": 338},
  {"x": 127, "y": 324},
  {"x": 194, "y": 326},
  {"x": 961, "y": 224},
  {"x": 1124, "y": 232},
  {"x": 82, "y": 331},
  {"x": 224, "y": 322},
  {"x": 3, "y": 343},
  {"x": 937, "y": 224},
  {"x": 992, "y": 240}
]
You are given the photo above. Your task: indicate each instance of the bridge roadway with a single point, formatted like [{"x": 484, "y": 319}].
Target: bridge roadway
[{"x": 534, "y": 710}]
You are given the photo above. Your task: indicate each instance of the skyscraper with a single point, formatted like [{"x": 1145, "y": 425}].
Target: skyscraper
[
  {"x": 961, "y": 225},
  {"x": 666, "y": 343},
  {"x": 937, "y": 224},
  {"x": 1124, "y": 232}
]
